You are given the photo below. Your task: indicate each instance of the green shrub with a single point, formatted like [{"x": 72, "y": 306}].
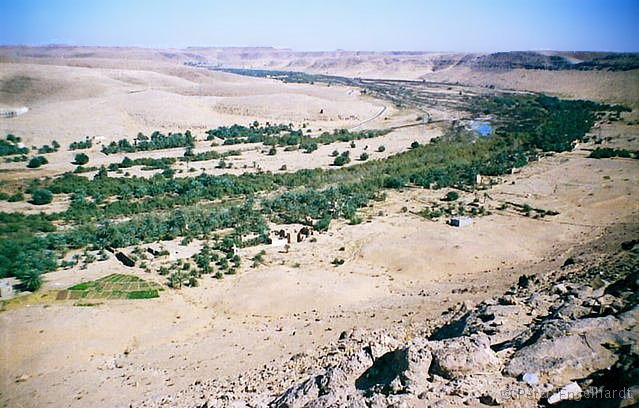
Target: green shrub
[
  {"x": 81, "y": 159},
  {"x": 81, "y": 145},
  {"x": 36, "y": 162},
  {"x": 342, "y": 159},
  {"x": 13, "y": 138},
  {"x": 9, "y": 147},
  {"x": 16, "y": 197},
  {"x": 395, "y": 182},
  {"x": 47, "y": 149},
  {"x": 41, "y": 196},
  {"x": 607, "y": 152},
  {"x": 363, "y": 156},
  {"x": 157, "y": 141},
  {"x": 451, "y": 196},
  {"x": 309, "y": 147},
  {"x": 338, "y": 261}
]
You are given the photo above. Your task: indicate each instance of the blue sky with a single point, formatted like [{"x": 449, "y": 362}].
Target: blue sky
[{"x": 427, "y": 25}]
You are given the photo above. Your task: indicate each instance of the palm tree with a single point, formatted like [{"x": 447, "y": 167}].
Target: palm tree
[
  {"x": 30, "y": 280},
  {"x": 175, "y": 280}
]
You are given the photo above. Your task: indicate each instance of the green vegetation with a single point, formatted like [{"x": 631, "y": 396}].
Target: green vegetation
[
  {"x": 30, "y": 279},
  {"x": 16, "y": 159},
  {"x": 46, "y": 149},
  {"x": 253, "y": 134},
  {"x": 363, "y": 156},
  {"x": 86, "y": 144},
  {"x": 184, "y": 273},
  {"x": 147, "y": 163},
  {"x": 22, "y": 247},
  {"x": 527, "y": 210},
  {"x": 208, "y": 155},
  {"x": 16, "y": 197},
  {"x": 308, "y": 146},
  {"x": 437, "y": 209},
  {"x": 608, "y": 152},
  {"x": 288, "y": 76},
  {"x": 13, "y": 223},
  {"x": 41, "y": 196},
  {"x": 9, "y": 146},
  {"x": 114, "y": 286},
  {"x": 143, "y": 294},
  {"x": 540, "y": 121},
  {"x": 81, "y": 159},
  {"x": 157, "y": 141},
  {"x": 37, "y": 161},
  {"x": 82, "y": 169},
  {"x": 284, "y": 135},
  {"x": 13, "y": 138},
  {"x": 451, "y": 196},
  {"x": 164, "y": 208},
  {"x": 342, "y": 159}
]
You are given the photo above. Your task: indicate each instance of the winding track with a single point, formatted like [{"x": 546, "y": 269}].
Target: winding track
[{"x": 380, "y": 113}]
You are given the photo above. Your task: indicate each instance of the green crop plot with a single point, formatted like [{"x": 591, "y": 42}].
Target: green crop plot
[{"x": 114, "y": 286}]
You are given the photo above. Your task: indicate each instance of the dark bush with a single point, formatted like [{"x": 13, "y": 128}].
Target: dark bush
[
  {"x": 81, "y": 159},
  {"x": 451, "y": 196},
  {"x": 41, "y": 196},
  {"x": 342, "y": 159},
  {"x": 36, "y": 162}
]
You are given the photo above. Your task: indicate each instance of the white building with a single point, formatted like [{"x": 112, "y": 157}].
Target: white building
[{"x": 461, "y": 221}]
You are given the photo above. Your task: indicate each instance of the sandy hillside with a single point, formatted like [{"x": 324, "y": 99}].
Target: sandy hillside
[
  {"x": 614, "y": 87},
  {"x": 68, "y": 103},
  {"x": 502, "y": 70}
]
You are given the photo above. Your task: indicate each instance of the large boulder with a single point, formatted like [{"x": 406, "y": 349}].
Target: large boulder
[
  {"x": 398, "y": 371},
  {"x": 560, "y": 359},
  {"x": 459, "y": 357},
  {"x": 501, "y": 322}
]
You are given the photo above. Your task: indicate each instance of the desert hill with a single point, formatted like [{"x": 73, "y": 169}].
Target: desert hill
[{"x": 591, "y": 75}]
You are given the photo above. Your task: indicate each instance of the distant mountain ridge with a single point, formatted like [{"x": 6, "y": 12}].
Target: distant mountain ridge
[
  {"x": 584, "y": 61},
  {"x": 326, "y": 61}
]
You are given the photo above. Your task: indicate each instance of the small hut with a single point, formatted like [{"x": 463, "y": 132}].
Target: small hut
[{"x": 460, "y": 221}]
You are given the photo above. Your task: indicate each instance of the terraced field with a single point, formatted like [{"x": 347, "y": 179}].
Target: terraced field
[{"x": 114, "y": 286}]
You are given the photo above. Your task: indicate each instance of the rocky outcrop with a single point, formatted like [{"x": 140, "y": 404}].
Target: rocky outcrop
[
  {"x": 569, "y": 337},
  {"x": 540, "y": 343},
  {"x": 463, "y": 356},
  {"x": 402, "y": 370}
]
